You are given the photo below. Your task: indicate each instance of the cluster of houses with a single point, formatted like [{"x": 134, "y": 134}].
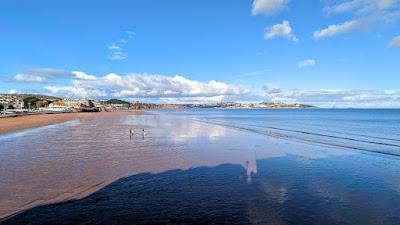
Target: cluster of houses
[
  {"x": 85, "y": 105},
  {"x": 24, "y": 103},
  {"x": 18, "y": 103},
  {"x": 8, "y": 101}
]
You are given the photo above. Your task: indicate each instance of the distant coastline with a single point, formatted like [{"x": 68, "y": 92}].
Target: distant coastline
[{"x": 32, "y": 103}]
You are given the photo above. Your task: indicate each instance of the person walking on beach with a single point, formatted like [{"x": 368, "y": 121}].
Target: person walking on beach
[{"x": 143, "y": 133}]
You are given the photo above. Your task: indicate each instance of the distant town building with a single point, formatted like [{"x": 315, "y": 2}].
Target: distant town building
[
  {"x": 74, "y": 103},
  {"x": 9, "y": 101}
]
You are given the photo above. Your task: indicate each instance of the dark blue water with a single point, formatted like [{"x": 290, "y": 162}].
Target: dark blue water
[{"x": 373, "y": 130}]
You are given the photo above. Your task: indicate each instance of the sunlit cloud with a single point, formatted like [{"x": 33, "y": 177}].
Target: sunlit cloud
[
  {"x": 44, "y": 75},
  {"x": 28, "y": 78},
  {"x": 336, "y": 29},
  {"x": 75, "y": 92},
  {"x": 178, "y": 89},
  {"x": 268, "y": 7},
  {"x": 338, "y": 97},
  {"x": 83, "y": 76},
  {"x": 395, "y": 42},
  {"x": 271, "y": 89},
  {"x": 116, "y": 51},
  {"x": 143, "y": 85},
  {"x": 114, "y": 47},
  {"x": 280, "y": 30},
  {"x": 40, "y": 75},
  {"x": 116, "y": 55},
  {"x": 364, "y": 13},
  {"x": 12, "y": 91},
  {"x": 306, "y": 63}
]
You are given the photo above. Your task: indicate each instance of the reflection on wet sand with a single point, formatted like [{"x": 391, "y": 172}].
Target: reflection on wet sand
[
  {"x": 251, "y": 168},
  {"x": 236, "y": 176}
]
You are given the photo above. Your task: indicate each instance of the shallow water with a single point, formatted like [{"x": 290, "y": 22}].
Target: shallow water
[{"x": 225, "y": 175}]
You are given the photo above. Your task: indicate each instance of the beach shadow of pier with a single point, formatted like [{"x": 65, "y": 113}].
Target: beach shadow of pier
[{"x": 201, "y": 195}]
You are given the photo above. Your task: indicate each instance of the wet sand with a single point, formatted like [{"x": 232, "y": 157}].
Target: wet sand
[
  {"x": 12, "y": 124},
  {"x": 90, "y": 170}
]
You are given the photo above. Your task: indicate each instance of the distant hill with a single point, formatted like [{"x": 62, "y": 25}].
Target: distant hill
[
  {"x": 117, "y": 101},
  {"x": 39, "y": 96}
]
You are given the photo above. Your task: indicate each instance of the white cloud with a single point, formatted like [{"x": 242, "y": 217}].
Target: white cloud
[
  {"x": 144, "y": 86},
  {"x": 365, "y": 13},
  {"x": 322, "y": 97},
  {"x": 131, "y": 35},
  {"x": 306, "y": 63},
  {"x": 83, "y": 76},
  {"x": 361, "y": 7},
  {"x": 114, "y": 47},
  {"x": 178, "y": 89},
  {"x": 271, "y": 89},
  {"x": 27, "y": 78},
  {"x": 280, "y": 30},
  {"x": 40, "y": 75},
  {"x": 253, "y": 73},
  {"x": 116, "y": 51},
  {"x": 12, "y": 91},
  {"x": 116, "y": 55},
  {"x": 49, "y": 72},
  {"x": 336, "y": 29},
  {"x": 336, "y": 97},
  {"x": 75, "y": 92},
  {"x": 368, "y": 97},
  {"x": 395, "y": 42},
  {"x": 268, "y": 7}
]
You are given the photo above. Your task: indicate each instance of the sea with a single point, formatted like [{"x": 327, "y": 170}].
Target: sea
[{"x": 370, "y": 130}]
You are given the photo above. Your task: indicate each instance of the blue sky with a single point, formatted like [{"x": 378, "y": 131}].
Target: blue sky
[{"x": 323, "y": 52}]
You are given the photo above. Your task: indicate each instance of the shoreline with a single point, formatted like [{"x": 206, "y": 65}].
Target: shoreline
[{"x": 18, "y": 123}]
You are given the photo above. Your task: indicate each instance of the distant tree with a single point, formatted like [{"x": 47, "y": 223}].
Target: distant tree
[
  {"x": 32, "y": 100},
  {"x": 47, "y": 103},
  {"x": 1, "y": 107}
]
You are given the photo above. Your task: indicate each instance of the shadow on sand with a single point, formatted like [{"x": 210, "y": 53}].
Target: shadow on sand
[
  {"x": 200, "y": 195},
  {"x": 281, "y": 192}
]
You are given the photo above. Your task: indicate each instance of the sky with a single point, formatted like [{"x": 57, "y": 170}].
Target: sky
[{"x": 329, "y": 53}]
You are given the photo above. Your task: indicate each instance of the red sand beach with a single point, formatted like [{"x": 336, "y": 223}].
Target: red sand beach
[{"x": 12, "y": 124}]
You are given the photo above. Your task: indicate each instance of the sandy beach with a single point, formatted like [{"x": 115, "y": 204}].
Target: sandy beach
[{"x": 12, "y": 124}]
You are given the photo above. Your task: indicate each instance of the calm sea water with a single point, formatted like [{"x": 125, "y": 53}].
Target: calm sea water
[{"x": 374, "y": 130}]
